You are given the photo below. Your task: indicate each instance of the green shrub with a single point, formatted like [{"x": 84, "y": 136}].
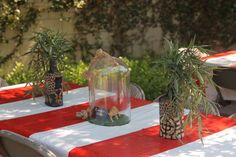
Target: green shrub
[
  {"x": 75, "y": 73},
  {"x": 19, "y": 74},
  {"x": 149, "y": 79}
]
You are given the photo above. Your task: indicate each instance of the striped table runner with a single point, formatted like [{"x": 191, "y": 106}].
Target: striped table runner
[
  {"x": 67, "y": 136},
  {"x": 225, "y": 59}
]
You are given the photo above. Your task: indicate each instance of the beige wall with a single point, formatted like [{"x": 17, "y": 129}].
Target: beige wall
[
  {"x": 44, "y": 20},
  {"x": 53, "y": 21}
]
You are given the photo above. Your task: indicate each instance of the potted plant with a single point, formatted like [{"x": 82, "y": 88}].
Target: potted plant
[
  {"x": 186, "y": 77},
  {"x": 48, "y": 52}
]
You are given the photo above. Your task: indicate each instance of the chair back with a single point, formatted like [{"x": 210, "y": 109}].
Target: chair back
[
  {"x": 15, "y": 145},
  {"x": 225, "y": 78},
  {"x": 136, "y": 91},
  {"x": 3, "y": 83},
  {"x": 233, "y": 116}
]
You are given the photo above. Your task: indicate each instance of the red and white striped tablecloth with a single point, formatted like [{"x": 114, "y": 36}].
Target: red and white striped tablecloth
[
  {"x": 224, "y": 59},
  {"x": 67, "y": 136}
]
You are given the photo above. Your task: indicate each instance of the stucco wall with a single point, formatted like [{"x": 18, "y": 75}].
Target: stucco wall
[
  {"x": 53, "y": 21},
  {"x": 44, "y": 20}
]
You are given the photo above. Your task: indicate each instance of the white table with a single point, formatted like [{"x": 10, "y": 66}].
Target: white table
[
  {"x": 58, "y": 129},
  {"x": 224, "y": 59}
]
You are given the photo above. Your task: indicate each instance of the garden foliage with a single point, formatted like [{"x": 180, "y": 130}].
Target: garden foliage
[
  {"x": 213, "y": 22},
  {"x": 151, "y": 80}
]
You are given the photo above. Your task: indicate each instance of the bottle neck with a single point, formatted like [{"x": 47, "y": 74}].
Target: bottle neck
[{"x": 53, "y": 65}]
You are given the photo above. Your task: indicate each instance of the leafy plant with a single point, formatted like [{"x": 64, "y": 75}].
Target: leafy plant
[
  {"x": 49, "y": 49},
  {"x": 186, "y": 77},
  {"x": 151, "y": 80},
  {"x": 19, "y": 74},
  {"x": 75, "y": 73}
]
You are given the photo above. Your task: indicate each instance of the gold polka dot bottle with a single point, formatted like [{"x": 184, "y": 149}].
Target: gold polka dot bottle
[
  {"x": 171, "y": 120},
  {"x": 53, "y": 86}
]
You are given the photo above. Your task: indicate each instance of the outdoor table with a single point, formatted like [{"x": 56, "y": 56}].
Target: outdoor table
[
  {"x": 224, "y": 59},
  {"x": 68, "y": 136}
]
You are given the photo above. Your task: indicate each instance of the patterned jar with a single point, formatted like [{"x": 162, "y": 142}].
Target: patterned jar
[
  {"x": 171, "y": 119},
  {"x": 53, "y": 86}
]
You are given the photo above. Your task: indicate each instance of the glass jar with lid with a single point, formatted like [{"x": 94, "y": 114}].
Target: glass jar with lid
[{"x": 109, "y": 93}]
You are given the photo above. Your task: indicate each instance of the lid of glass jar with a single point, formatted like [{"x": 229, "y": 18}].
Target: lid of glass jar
[{"x": 105, "y": 64}]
